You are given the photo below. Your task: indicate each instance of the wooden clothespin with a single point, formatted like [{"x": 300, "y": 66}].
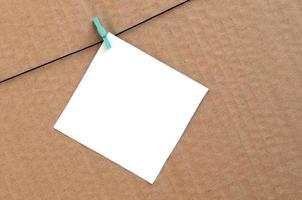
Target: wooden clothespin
[{"x": 101, "y": 31}]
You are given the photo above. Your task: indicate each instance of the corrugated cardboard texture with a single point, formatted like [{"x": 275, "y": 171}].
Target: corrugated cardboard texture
[
  {"x": 34, "y": 32},
  {"x": 244, "y": 141}
]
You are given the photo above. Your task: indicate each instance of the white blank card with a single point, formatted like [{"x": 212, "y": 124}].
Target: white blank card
[{"x": 131, "y": 108}]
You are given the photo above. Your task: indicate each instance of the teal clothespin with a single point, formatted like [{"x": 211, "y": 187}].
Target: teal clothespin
[{"x": 101, "y": 31}]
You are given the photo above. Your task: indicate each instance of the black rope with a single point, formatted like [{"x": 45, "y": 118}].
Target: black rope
[{"x": 82, "y": 49}]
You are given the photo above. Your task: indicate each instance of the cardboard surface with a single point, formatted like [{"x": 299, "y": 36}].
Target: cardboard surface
[
  {"x": 243, "y": 143},
  {"x": 35, "y": 32}
]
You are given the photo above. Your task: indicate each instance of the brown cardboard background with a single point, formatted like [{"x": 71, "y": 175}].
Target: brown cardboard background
[
  {"x": 36, "y": 31},
  {"x": 243, "y": 143}
]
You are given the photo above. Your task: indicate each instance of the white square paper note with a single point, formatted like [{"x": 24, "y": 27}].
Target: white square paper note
[{"x": 131, "y": 108}]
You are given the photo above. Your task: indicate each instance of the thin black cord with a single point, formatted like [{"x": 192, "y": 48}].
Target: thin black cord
[{"x": 82, "y": 49}]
